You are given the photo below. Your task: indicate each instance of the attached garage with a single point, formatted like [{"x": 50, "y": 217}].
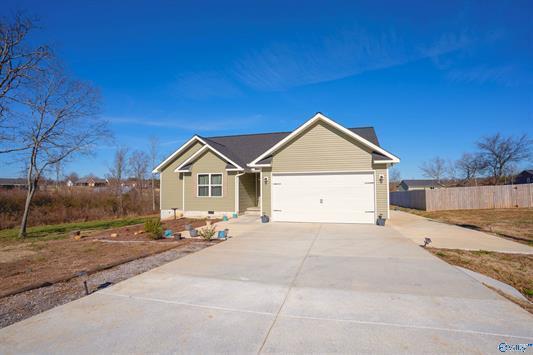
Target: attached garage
[{"x": 341, "y": 197}]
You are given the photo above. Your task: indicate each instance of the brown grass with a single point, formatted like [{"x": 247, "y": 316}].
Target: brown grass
[
  {"x": 513, "y": 269},
  {"x": 25, "y": 264},
  {"x": 515, "y": 223},
  {"x": 70, "y": 205}
]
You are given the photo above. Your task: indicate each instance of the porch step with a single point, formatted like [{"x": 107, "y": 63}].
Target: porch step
[{"x": 253, "y": 211}]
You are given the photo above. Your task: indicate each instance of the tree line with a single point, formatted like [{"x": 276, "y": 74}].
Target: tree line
[{"x": 496, "y": 161}]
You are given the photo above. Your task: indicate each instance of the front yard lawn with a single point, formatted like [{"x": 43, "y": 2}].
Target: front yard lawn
[
  {"x": 513, "y": 269},
  {"x": 49, "y": 256},
  {"x": 514, "y": 223}
]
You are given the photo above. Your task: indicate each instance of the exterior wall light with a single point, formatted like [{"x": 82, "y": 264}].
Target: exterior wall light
[
  {"x": 265, "y": 179},
  {"x": 381, "y": 178}
]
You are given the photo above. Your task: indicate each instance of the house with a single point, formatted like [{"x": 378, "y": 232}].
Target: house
[
  {"x": 409, "y": 185},
  {"x": 525, "y": 177},
  {"x": 92, "y": 182},
  {"x": 320, "y": 172},
  {"x": 12, "y": 183}
]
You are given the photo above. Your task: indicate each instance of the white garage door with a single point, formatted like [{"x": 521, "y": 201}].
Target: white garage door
[{"x": 323, "y": 197}]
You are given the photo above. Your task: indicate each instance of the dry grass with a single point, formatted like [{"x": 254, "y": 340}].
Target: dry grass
[
  {"x": 515, "y": 223},
  {"x": 513, "y": 269},
  {"x": 70, "y": 205},
  {"x": 30, "y": 263}
]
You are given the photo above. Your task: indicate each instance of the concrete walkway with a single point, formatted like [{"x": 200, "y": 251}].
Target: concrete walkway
[
  {"x": 283, "y": 287},
  {"x": 450, "y": 236}
]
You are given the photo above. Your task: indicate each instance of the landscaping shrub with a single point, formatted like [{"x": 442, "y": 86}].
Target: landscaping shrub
[
  {"x": 208, "y": 232},
  {"x": 154, "y": 228}
]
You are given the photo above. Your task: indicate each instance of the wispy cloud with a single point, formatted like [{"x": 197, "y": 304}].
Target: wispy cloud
[
  {"x": 205, "y": 85},
  {"x": 197, "y": 124},
  {"x": 284, "y": 65},
  {"x": 484, "y": 74}
]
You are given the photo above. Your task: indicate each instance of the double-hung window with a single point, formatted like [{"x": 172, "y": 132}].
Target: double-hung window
[{"x": 209, "y": 185}]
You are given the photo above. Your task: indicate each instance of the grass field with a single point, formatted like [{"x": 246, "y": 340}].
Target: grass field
[
  {"x": 59, "y": 231},
  {"x": 515, "y": 223},
  {"x": 513, "y": 269}
]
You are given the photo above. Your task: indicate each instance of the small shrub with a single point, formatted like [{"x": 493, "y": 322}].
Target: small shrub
[
  {"x": 208, "y": 232},
  {"x": 154, "y": 228}
]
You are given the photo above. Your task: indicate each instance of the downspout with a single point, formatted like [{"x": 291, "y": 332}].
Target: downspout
[{"x": 237, "y": 195}]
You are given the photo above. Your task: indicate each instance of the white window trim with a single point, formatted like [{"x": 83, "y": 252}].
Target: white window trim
[
  {"x": 315, "y": 118},
  {"x": 210, "y": 185}
]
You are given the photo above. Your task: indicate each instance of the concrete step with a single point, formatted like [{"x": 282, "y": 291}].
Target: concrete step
[{"x": 253, "y": 211}]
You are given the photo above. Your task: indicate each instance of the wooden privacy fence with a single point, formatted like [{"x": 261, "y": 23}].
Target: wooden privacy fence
[{"x": 464, "y": 198}]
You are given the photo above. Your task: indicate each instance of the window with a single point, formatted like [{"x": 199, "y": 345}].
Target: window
[{"x": 209, "y": 185}]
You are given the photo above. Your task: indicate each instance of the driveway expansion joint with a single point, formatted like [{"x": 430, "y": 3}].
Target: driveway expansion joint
[{"x": 291, "y": 285}]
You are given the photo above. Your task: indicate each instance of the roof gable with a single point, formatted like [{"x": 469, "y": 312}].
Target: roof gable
[
  {"x": 320, "y": 117},
  {"x": 186, "y": 165},
  {"x": 243, "y": 150}
]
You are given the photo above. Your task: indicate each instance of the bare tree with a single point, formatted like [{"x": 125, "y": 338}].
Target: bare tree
[
  {"x": 117, "y": 173},
  {"x": 394, "y": 178},
  {"x": 60, "y": 122},
  {"x": 138, "y": 167},
  {"x": 73, "y": 176},
  {"x": 470, "y": 166},
  {"x": 58, "y": 169},
  {"x": 154, "y": 157},
  {"x": 19, "y": 63},
  {"x": 395, "y": 175},
  {"x": 499, "y": 153},
  {"x": 435, "y": 169}
]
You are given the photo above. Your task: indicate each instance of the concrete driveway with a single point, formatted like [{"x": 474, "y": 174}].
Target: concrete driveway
[
  {"x": 284, "y": 287},
  {"x": 449, "y": 236}
]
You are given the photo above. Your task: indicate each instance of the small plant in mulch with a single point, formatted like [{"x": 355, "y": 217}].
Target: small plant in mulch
[
  {"x": 208, "y": 232},
  {"x": 154, "y": 228}
]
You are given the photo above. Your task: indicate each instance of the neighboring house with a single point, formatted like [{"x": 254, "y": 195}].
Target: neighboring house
[
  {"x": 409, "y": 185},
  {"x": 92, "y": 182},
  {"x": 12, "y": 183},
  {"x": 320, "y": 172},
  {"x": 525, "y": 177},
  {"x": 70, "y": 183}
]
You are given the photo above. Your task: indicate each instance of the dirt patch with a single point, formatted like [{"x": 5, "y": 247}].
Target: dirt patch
[
  {"x": 513, "y": 269},
  {"x": 512, "y": 223},
  {"x": 26, "y": 304},
  {"x": 28, "y": 265}
]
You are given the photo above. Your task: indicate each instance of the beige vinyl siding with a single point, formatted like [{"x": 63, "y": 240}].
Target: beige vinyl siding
[
  {"x": 322, "y": 148},
  {"x": 381, "y": 190},
  {"x": 209, "y": 162},
  {"x": 246, "y": 192},
  {"x": 265, "y": 191},
  {"x": 171, "y": 182}
]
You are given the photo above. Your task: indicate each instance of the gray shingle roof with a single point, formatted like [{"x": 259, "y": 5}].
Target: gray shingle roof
[
  {"x": 244, "y": 148},
  {"x": 421, "y": 183},
  {"x": 12, "y": 181}
]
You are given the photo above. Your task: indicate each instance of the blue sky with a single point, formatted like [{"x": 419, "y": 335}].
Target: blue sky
[{"x": 431, "y": 77}]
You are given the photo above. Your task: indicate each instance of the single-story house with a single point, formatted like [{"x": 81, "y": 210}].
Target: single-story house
[
  {"x": 92, "y": 182},
  {"x": 409, "y": 185},
  {"x": 320, "y": 172},
  {"x": 525, "y": 177},
  {"x": 12, "y": 183}
]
